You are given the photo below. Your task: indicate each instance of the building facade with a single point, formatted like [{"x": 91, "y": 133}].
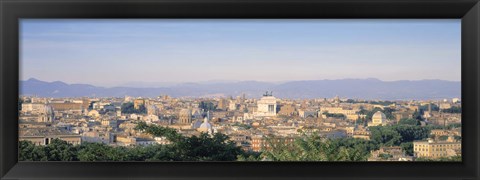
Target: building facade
[
  {"x": 436, "y": 149},
  {"x": 267, "y": 106}
]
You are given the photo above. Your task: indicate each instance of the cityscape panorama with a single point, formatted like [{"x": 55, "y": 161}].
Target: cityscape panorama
[{"x": 240, "y": 90}]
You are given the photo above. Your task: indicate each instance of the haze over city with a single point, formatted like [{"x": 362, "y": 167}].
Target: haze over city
[{"x": 110, "y": 53}]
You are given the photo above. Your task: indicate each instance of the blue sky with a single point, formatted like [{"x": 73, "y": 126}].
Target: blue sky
[{"x": 115, "y": 52}]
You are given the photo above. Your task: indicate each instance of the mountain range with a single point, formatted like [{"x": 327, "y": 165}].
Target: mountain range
[{"x": 352, "y": 88}]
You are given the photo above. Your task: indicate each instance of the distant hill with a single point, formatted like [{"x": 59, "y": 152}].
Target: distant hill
[{"x": 351, "y": 88}]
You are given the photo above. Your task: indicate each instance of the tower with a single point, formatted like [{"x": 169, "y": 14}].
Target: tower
[{"x": 185, "y": 116}]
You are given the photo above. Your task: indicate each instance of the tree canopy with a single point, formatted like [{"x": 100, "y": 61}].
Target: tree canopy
[
  {"x": 409, "y": 121},
  {"x": 315, "y": 148}
]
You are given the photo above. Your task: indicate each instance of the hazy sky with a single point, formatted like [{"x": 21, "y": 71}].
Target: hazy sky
[{"x": 115, "y": 52}]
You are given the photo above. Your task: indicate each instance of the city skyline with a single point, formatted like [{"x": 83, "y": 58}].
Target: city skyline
[{"x": 111, "y": 53}]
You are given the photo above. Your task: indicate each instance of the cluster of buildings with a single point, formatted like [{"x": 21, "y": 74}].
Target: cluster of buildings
[{"x": 249, "y": 122}]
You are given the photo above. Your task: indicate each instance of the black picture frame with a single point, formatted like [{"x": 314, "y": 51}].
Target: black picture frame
[{"x": 13, "y": 10}]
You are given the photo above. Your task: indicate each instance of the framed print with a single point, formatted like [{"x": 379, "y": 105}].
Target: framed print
[{"x": 230, "y": 89}]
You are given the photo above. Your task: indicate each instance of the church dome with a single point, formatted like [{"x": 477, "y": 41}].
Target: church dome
[
  {"x": 379, "y": 115},
  {"x": 378, "y": 118},
  {"x": 205, "y": 127},
  {"x": 93, "y": 113},
  {"x": 206, "y": 124}
]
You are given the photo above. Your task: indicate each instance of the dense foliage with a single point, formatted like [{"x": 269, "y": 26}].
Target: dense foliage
[
  {"x": 334, "y": 115},
  {"x": 314, "y": 148},
  {"x": 396, "y": 134},
  {"x": 455, "y": 125},
  {"x": 29, "y": 152},
  {"x": 408, "y": 121}
]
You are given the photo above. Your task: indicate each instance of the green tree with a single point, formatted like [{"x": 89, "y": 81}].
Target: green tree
[
  {"x": 455, "y": 125},
  {"x": 389, "y": 112},
  {"x": 417, "y": 115},
  {"x": 249, "y": 156},
  {"x": 101, "y": 152},
  {"x": 408, "y": 121},
  {"x": 313, "y": 148},
  {"x": 194, "y": 148},
  {"x": 29, "y": 152},
  {"x": 385, "y": 136},
  {"x": 59, "y": 150},
  {"x": 411, "y": 133},
  {"x": 362, "y": 110},
  {"x": 424, "y": 108},
  {"x": 159, "y": 131},
  {"x": 147, "y": 153},
  {"x": 385, "y": 156},
  {"x": 334, "y": 115},
  {"x": 443, "y": 138},
  {"x": 407, "y": 148},
  {"x": 369, "y": 114}
]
